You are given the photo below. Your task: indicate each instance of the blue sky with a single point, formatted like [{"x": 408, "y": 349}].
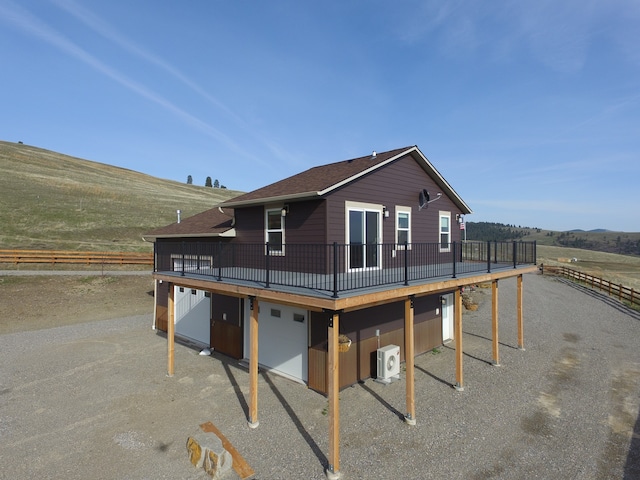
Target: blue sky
[{"x": 531, "y": 110}]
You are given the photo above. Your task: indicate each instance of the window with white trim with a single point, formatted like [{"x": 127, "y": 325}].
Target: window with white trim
[
  {"x": 445, "y": 231},
  {"x": 403, "y": 226},
  {"x": 274, "y": 231}
]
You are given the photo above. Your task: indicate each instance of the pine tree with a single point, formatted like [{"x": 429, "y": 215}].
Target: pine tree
[
  {"x": 189, "y": 180},
  {"x": 207, "y": 183}
]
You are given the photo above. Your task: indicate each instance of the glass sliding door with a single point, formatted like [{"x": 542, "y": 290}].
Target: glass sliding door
[{"x": 364, "y": 238}]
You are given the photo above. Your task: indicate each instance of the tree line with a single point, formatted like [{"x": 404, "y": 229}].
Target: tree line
[{"x": 207, "y": 183}]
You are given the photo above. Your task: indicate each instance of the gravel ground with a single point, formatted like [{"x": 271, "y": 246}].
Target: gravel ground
[{"x": 92, "y": 401}]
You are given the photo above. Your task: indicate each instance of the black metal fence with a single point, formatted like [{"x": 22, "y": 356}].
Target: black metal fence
[{"x": 336, "y": 268}]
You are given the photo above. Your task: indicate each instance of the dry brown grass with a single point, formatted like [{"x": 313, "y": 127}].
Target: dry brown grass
[{"x": 54, "y": 201}]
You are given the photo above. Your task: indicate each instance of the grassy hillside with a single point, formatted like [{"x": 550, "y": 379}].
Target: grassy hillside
[
  {"x": 625, "y": 243},
  {"x": 53, "y": 201}
]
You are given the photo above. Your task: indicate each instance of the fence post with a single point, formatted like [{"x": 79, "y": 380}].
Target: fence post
[
  {"x": 453, "y": 252},
  {"x": 515, "y": 254},
  {"x": 266, "y": 265},
  {"x": 406, "y": 263},
  {"x": 335, "y": 269}
]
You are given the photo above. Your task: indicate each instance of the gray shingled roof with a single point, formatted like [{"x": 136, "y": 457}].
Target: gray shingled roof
[
  {"x": 312, "y": 183},
  {"x": 318, "y": 181},
  {"x": 315, "y": 181},
  {"x": 210, "y": 223}
]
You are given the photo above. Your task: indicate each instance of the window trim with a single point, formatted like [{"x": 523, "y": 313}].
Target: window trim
[
  {"x": 267, "y": 231},
  {"x": 363, "y": 207},
  {"x": 401, "y": 209},
  {"x": 446, "y": 215}
]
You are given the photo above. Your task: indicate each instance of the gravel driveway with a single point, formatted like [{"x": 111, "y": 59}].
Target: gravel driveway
[{"x": 92, "y": 401}]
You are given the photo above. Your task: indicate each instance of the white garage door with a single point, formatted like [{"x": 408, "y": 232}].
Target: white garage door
[
  {"x": 192, "y": 314},
  {"x": 282, "y": 339}
]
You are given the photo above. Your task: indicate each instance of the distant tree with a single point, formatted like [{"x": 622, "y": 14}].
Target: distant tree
[
  {"x": 207, "y": 183},
  {"x": 222, "y": 186},
  {"x": 189, "y": 180},
  {"x": 216, "y": 183}
]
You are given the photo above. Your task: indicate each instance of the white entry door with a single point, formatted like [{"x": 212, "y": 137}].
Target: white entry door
[
  {"x": 282, "y": 339},
  {"x": 447, "y": 317}
]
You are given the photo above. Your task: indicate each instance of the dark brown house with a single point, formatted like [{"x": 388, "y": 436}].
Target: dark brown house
[{"x": 347, "y": 268}]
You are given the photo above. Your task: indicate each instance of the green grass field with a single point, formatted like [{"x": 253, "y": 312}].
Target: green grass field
[{"x": 53, "y": 201}]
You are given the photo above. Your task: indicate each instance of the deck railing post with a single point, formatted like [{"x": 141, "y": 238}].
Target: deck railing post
[
  {"x": 453, "y": 252},
  {"x": 220, "y": 260},
  {"x": 335, "y": 269},
  {"x": 515, "y": 251},
  {"x": 406, "y": 263},
  {"x": 182, "y": 246},
  {"x": 488, "y": 256},
  {"x": 266, "y": 265}
]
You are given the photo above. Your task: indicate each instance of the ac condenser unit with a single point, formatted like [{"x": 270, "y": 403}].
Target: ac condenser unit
[{"x": 388, "y": 363}]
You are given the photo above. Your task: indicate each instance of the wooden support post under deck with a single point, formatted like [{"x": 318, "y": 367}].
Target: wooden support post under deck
[
  {"x": 334, "y": 403},
  {"x": 253, "y": 363},
  {"x": 409, "y": 354},
  {"x": 458, "y": 334},
  {"x": 494, "y": 322},
  {"x": 520, "y": 314},
  {"x": 171, "y": 327}
]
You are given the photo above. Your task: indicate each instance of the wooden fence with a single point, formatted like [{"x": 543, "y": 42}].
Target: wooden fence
[
  {"x": 72, "y": 257},
  {"x": 624, "y": 294}
]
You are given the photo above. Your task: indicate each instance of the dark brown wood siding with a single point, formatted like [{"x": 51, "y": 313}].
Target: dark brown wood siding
[
  {"x": 396, "y": 184},
  {"x": 360, "y": 362},
  {"x": 305, "y": 223},
  {"x": 162, "y": 306}
]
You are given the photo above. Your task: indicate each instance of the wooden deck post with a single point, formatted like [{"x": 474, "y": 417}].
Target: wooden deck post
[
  {"x": 458, "y": 334},
  {"x": 494, "y": 322},
  {"x": 410, "y": 417},
  {"x": 253, "y": 363},
  {"x": 520, "y": 314},
  {"x": 171, "y": 327},
  {"x": 334, "y": 402}
]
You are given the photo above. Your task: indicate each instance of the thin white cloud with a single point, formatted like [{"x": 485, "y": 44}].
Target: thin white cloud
[
  {"x": 30, "y": 24},
  {"x": 108, "y": 32}
]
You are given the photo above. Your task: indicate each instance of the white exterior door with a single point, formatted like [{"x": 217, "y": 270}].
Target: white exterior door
[
  {"x": 192, "y": 315},
  {"x": 447, "y": 317},
  {"x": 282, "y": 339}
]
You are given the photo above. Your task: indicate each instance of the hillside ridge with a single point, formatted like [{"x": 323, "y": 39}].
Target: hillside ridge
[{"x": 51, "y": 200}]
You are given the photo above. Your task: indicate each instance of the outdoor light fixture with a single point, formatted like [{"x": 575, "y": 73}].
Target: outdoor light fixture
[
  {"x": 285, "y": 210},
  {"x": 385, "y": 211}
]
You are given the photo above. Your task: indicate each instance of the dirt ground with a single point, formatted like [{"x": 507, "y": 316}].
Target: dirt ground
[{"x": 36, "y": 302}]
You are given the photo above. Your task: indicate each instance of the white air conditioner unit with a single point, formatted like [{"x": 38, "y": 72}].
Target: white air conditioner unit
[{"x": 388, "y": 363}]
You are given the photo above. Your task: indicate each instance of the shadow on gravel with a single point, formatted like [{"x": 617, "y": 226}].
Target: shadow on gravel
[
  {"x": 324, "y": 461},
  {"x": 611, "y": 301},
  {"x": 469, "y": 355},
  {"x": 632, "y": 466},
  {"x": 434, "y": 377},
  {"x": 236, "y": 388},
  {"x": 489, "y": 339},
  {"x": 386, "y": 404}
]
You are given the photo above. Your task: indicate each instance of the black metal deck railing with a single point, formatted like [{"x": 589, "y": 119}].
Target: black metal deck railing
[{"x": 335, "y": 268}]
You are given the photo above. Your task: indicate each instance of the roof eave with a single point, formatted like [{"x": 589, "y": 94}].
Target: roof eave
[
  {"x": 231, "y": 233},
  {"x": 266, "y": 200}
]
